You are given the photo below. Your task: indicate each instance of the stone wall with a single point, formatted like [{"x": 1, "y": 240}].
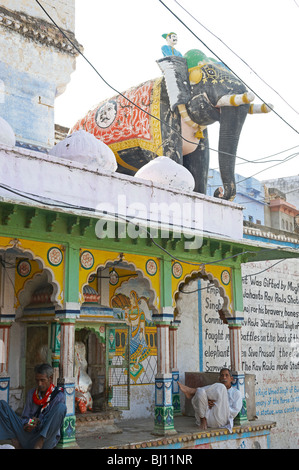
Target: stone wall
[{"x": 269, "y": 341}]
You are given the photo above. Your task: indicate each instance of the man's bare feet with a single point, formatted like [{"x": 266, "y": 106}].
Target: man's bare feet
[
  {"x": 188, "y": 391},
  {"x": 203, "y": 424},
  {"x": 16, "y": 444},
  {"x": 39, "y": 444}
]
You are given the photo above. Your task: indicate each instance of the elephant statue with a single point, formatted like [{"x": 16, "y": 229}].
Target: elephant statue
[{"x": 169, "y": 116}]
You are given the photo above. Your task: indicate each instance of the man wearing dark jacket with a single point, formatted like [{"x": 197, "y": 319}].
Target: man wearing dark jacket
[{"x": 42, "y": 417}]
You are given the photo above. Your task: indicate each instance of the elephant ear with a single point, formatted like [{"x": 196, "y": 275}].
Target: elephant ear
[{"x": 175, "y": 71}]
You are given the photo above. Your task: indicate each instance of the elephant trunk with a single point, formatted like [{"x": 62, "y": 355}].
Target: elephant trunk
[{"x": 231, "y": 123}]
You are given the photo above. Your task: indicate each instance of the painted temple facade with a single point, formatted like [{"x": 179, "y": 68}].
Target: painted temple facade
[
  {"x": 106, "y": 309},
  {"x": 91, "y": 283}
]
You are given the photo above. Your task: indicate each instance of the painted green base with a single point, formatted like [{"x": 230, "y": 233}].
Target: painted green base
[
  {"x": 164, "y": 421},
  {"x": 68, "y": 433},
  {"x": 242, "y": 416},
  {"x": 176, "y": 403}
]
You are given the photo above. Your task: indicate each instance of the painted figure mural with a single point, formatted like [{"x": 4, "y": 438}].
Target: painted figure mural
[
  {"x": 137, "y": 315},
  {"x": 169, "y": 117},
  {"x": 136, "y": 319}
]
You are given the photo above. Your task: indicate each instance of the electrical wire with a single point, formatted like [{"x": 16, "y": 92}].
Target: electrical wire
[
  {"x": 262, "y": 159},
  {"x": 105, "y": 81},
  {"x": 240, "y": 58},
  {"x": 290, "y": 157},
  {"x": 190, "y": 30},
  {"x": 116, "y": 91},
  {"x": 243, "y": 278},
  {"x": 260, "y": 272},
  {"x": 128, "y": 220}
]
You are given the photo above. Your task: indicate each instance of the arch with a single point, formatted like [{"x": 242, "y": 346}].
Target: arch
[
  {"x": 224, "y": 312},
  {"x": 123, "y": 264},
  {"x": 45, "y": 276}
]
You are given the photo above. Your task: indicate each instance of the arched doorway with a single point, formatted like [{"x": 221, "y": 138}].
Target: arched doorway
[
  {"x": 202, "y": 309},
  {"x": 128, "y": 348},
  {"x": 27, "y": 284}
]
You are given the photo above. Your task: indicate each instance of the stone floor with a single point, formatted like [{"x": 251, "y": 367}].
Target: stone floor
[{"x": 139, "y": 434}]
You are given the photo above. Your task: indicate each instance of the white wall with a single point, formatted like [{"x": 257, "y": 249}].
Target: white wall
[{"x": 270, "y": 342}]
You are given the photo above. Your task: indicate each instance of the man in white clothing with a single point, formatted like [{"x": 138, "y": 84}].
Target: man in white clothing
[{"x": 215, "y": 405}]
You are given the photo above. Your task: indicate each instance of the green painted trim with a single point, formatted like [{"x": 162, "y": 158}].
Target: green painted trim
[
  {"x": 73, "y": 231},
  {"x": 242, "y": 415},
  {"x": 166, "y": 283},
  {"x": 164, "y": 423},
  {"x": 71, "y": 280},
  {"x": 237, "y": 289},
  {"x": 68, "y": 432}
]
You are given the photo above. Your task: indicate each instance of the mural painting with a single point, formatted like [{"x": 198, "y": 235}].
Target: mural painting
[
  {"x": 133, "y": 299},
  {"x": 131, "y": 287}
]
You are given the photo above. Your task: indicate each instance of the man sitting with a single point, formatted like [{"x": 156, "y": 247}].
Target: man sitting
[
  {"x": 215, "y": 405},
  {"x": 42, "y": 417}
]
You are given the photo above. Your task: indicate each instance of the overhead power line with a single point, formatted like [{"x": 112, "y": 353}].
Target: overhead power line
[
  {"x": 128, "y": 219},
  {"x": 200, "y": 40},
  {"x": 130, "y": 101},
  {"x": 243, "y": 278},
  {"x": 231, "y": 50}
]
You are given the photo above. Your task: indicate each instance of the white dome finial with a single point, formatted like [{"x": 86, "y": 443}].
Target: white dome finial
[{"x": 81, "y": 146}]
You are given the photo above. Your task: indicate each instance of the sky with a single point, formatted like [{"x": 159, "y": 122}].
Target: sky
[{"x": 257, "y": 40}]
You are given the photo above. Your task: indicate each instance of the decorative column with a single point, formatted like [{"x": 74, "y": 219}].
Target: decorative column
[
  {"x": 164, "y": 423},
  {"x": 7, "y": 318},
  {"x": 55, "y": 348},
  {"x": 67, "y": 319},
  {"x": 173, "y": 331},
  {"x": 4, "y": 356},
  {"x": 234, "y": 326},
  {"x": 163, "y": 381}
]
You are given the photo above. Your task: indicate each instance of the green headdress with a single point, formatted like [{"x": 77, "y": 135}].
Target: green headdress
[{"x": 194, "y": 57}]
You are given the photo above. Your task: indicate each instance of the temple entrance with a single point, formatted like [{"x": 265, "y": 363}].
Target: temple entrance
[
  {"x": 121, "y": 344},
  {"x": 102, "y": 368}
]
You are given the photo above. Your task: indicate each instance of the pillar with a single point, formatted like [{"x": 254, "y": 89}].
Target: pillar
[
  {"x": 55, "y": 349},
  {"x": 7, "y": 317},
  {"x": 163, "y": 381},
  {"x": 4, "y": 357},
  {"x": 164, "y": 423},
  {"x": 173, "y": 333},
  {"x": 235, "y": 325},
  {"x": 67, "y": 319}
]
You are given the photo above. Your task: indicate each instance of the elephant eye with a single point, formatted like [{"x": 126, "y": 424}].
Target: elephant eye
[{"x": 211, "y": 71}]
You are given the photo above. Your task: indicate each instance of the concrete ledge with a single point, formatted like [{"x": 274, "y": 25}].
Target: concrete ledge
[
  {"x": 206, "y": 439},
  {"x": 137, "y": 434}
]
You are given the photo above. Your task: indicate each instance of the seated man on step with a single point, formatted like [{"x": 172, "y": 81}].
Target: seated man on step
[
  {"x": 215, "y": 405},
  {"x": 42, "y": 417}
]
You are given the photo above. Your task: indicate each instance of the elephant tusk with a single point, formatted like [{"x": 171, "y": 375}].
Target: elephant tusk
[
  {"x": 235, "y": 100},
  {"x": 260, "y": 108}
]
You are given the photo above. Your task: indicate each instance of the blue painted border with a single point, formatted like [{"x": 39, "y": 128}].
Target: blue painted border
[{"x": 200, "y": 339}]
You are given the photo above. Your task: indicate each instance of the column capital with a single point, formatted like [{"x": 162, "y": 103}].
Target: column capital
[
  {"x": 5, "y": 323},
  {"x": 70, "y": 311},
  {"x": 236, "y": 320},
  {"x": 175, "y": 324},
  {"x": 165, "y": 315}
]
